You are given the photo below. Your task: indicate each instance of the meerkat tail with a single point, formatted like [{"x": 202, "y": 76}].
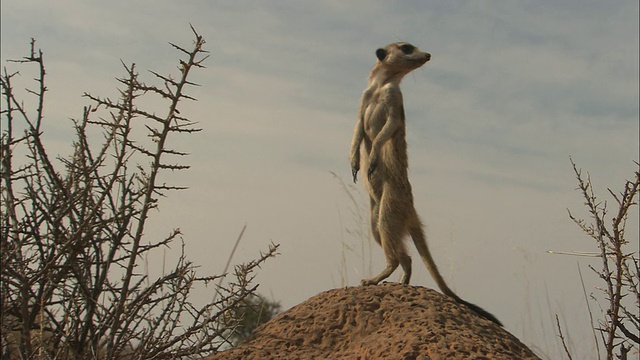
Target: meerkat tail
[
  {"x": 480, "y": 311},
  {"x": 419, "y": 240}
]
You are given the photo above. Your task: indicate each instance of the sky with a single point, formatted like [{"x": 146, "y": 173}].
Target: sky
[{"x": 514, "y": 89}]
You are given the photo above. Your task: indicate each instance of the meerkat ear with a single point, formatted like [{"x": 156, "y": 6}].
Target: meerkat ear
[{"x": 381, "y": 54}]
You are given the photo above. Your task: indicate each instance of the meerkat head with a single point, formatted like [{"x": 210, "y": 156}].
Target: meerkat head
[{"x": 401, "y": 58}]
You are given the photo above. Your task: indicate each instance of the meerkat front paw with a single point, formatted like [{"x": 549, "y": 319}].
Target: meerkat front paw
[
  {"x": 355, "y": 166},
  {"x": 372, "y": 167}
]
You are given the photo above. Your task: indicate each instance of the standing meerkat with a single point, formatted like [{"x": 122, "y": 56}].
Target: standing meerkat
[{"x": 381, "y": 127}]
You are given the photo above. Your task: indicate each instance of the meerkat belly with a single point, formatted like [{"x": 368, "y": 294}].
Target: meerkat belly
[
  {"x": 391, "y": 175},
  {"x": 375, "y": 116}
]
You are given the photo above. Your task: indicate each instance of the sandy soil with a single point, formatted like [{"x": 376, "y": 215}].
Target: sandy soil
[{"x": 387, "y": 321}]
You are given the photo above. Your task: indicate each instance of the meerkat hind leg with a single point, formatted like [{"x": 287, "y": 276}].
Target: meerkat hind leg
[
  {"x": 374, "y": 219},
  {"x": 405, "y": 263},
  {"x": 389, "y": 234},
  {"x": 396, "y": 255},
  {"x": 392, "y": 265}
]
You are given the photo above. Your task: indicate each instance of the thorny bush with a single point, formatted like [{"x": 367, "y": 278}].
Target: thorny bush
[
  {"x": 619, "y": 269},
  {"x": 72, "y": 235}
]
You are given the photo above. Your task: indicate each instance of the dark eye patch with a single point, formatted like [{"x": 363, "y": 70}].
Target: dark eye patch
[{"x": 407, "y": 48}]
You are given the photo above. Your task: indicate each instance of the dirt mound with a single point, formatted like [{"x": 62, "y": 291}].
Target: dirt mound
[{"x": 387, "y": 321}]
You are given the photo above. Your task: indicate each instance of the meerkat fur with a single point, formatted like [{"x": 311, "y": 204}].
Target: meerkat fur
[{"x": 380, "y": 130}]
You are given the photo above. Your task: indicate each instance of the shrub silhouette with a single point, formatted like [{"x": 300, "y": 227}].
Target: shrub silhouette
[{"x": 72, "y": 236}]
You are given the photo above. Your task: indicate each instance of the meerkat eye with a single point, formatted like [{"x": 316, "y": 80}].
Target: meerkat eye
[{"x": 407, "y": 48}]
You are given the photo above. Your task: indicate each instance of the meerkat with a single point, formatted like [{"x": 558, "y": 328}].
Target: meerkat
[{"x": 381, "y": 127}]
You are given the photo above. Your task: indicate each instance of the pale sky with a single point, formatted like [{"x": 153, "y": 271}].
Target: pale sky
[{"x": 514, "y": 88}]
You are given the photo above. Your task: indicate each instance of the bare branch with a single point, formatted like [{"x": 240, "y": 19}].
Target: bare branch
[
  {"x": 618, "y": 276},
  {"x": 72, "y": 238}
]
